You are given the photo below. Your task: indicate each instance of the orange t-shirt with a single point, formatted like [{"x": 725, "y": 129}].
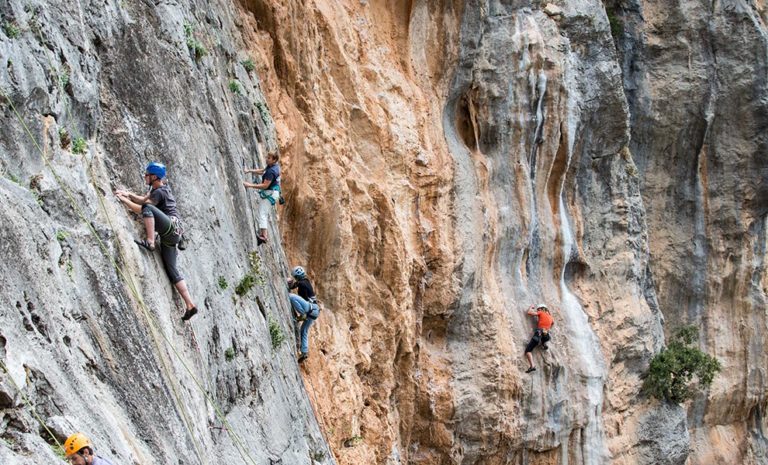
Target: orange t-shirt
[{"x": 545, "y": 320}]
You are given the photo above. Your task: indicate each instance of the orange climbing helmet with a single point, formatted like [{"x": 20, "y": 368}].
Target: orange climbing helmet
[{"x": 75, "y": 443}]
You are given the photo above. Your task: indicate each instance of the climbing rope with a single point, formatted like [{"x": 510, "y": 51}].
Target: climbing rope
[
  {"x": 30, "y": 405},
  {"x": 323, "y": 429}
]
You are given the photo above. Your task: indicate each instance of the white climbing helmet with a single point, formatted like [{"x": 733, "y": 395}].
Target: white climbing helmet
[
  {"x": 298, "y": 272},
  {"x": 541, "y": 306}
]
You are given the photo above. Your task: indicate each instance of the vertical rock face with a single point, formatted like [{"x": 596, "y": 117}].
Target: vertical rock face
[
  {"x": 90, "y": 330},
  {"x": 446, "y": 165},
  {"x": 696, "y": 80}
]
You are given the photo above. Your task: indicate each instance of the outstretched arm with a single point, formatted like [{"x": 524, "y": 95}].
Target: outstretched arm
[
  {"x": 127, "y": 199},
  {"x": 531, "y": 311},
  {"x": 139, "y": 199},
  {"x": 252, "y": 185},
  {"x": 258, "y": 171}
]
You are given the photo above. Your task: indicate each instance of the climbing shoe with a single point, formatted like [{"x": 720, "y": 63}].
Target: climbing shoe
[
  {"x": 144, "y": 243},
  {"x": 261, "y": 240},
  {"x": 544, "y": 347},
  {"x": 182, "y": 245},
  {"x": 301, "y": 317},
  {"x": 530, "y": 369},
  {"x": 189, "y": 313},
  {"x": 303, "y": 356}
]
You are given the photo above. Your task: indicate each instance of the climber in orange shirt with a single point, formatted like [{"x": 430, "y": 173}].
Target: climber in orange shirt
[{"x": 541, "y": 335}]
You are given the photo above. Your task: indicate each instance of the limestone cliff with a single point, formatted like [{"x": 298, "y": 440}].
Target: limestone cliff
[{"x": 446, "y": 164}]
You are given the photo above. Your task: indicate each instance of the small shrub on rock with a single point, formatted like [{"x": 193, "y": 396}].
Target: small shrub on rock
[{"x": 672, "y": 371}]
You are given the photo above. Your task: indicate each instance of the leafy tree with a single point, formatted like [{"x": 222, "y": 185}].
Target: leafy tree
[{"x": 672, "y": 370}]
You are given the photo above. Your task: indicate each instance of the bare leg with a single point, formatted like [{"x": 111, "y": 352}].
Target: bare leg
[
  {"x": 181, "y": 286},
  {"x": 149, "y": 225},
  {"x": 263, "y": 233},
  {"x": 530, "y": 359}
]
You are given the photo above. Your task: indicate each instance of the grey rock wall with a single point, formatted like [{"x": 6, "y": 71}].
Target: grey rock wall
[
  {"x": 90, "y": 328},
  {"x": 695, "y": 74}
]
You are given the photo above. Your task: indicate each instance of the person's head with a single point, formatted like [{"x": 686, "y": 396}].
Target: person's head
[
  {"x": 542, "y": 307},
  {"x": 78, "y": 449},
  {"x": 272, "y": 158},
  {"x": 155, "y": 172},
  {"x": 298, "y": 273}
]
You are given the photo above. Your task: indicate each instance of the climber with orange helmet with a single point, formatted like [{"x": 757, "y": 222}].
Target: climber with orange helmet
[
  {"x": 158, "y": 209},
  {"x": 541, "y": 334},
  {"x": 79, "y": 451},
  {"x": 304, "y": 305}
]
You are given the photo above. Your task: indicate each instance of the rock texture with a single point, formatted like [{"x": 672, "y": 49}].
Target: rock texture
[
  {"x": 696, "y": 80},
  {"x": 446, "y": 164},
  {"x": 91, "y": 333}
]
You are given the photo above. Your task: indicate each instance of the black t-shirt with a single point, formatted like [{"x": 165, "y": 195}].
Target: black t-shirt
[
  {"x": 304, "y": 289},
  {"x": 163, "y": 200},
  {"x": 271, "y": 174}
]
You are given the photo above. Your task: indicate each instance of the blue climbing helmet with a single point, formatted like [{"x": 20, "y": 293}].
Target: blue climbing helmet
[
  {"x": 158, "y": 169},
  {"x": 299, "y": 272}
]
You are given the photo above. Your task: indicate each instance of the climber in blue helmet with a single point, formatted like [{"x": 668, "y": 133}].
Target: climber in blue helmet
[
  {"x": 304, "y": 305},
  {"x": 158, "y": 209}
]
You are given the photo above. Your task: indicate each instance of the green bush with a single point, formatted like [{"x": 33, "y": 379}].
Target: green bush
[
  {"x": 617, "y": 26},
  {"x": 194, "y": 45},
  {"x": 275, "y": 333},
  {"x": 245, "y": 285},
  {"x": 248, "y": 64},
  {"x": 64, "y": 79},
  {"x": 234, "y": 86},
  {"x": 11, "y": 30},
  {"x": 79, "y": 146},
  {"x": 229, "y": 354},
  {"x": 223, "y": 284},
  {"x": 672, "y": 370},
  {"x": 61, "y": 235}
]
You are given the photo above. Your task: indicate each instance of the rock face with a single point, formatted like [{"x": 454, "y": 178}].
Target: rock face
[
  {"x": 91, "y": 332},
  {"x": 695, "y": 76},
  {"x": 446, "y": 165}
]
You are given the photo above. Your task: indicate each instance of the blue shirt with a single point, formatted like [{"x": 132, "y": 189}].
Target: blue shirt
[{"x": 272, "y": 174}]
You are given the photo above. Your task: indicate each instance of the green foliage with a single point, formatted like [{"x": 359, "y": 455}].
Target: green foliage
[
  {"x": 223, "y": 284},
  {"x": 617, "y": 26},
  {"x": 672, "y": 370},
  {"x": 256, "y": 270},
  {"x": 11, "y": 30},
  {"x": 59, "y": 451},
  {"x": 263, "y": 112},
  {"x": 234, "y": 86},
  {"x": 14, "y": 178},
  {"x": 275, "y": 333},
  {"x": 245, "y": 285},
  {"x": 63, "y": 79},
  {"x": 248, "y": 64},
  {"x": 194, "y": 45},
  {"x": 61, "y": 235},
  {"x": 70, "y": 268},
  {"x": 79, "y": 146},
  {"x": 229, "y": 354},
  {"x": 255, "y": 275}
]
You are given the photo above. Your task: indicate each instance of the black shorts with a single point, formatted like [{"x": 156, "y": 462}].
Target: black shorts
[{"x": 539, "y": 337}]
